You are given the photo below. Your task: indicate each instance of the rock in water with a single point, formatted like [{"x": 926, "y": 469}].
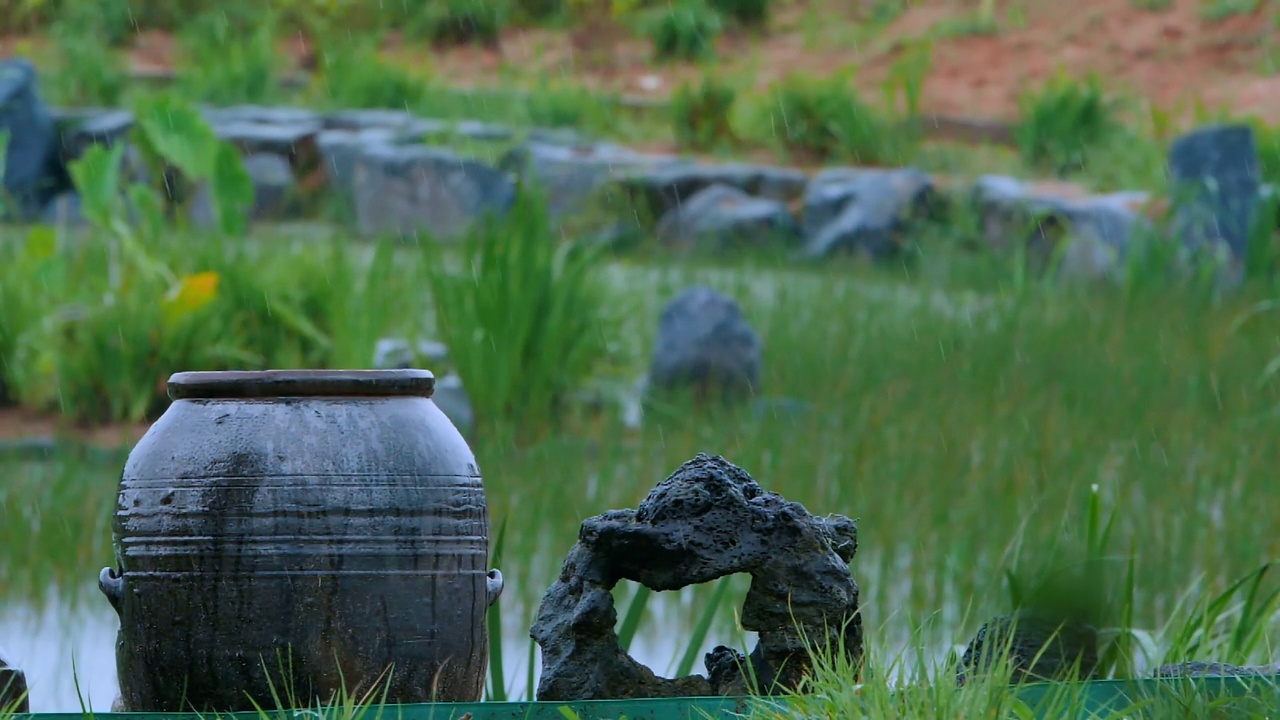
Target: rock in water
[
  {"x": 705, "y": 344},
  {"x": 1040, "y": 648},
  {"x": 707, "y": 520},
  {"x": 13, "y": 689},
  {"x": 30, "y": 160},
  {"x": 1217, "y": 184}
]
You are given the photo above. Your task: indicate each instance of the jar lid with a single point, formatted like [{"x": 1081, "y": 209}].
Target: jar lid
[{"x": 300, "y": 383}]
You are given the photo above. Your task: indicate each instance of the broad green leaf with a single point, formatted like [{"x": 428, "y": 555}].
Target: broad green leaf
[
  {"x": 232, "y": 190},
  {"x": 96, "y": 175},
  {"x": 180, "y": 134}
]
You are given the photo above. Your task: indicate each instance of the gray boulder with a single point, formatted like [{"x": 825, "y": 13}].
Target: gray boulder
[
  {"x": 31, "y": 171},
  {"x": 482, "y": 131},
  {"x": 719, "y": 217},
  {"x": 339, "y": 150},
  {"x": 663, "y": 188},
  {"x": 273, "y": 188},
  {"x": 93, "y": 127},
  {"x": 705, "y": 344},
  {"x": 260, "y": 114},
  {"x": 863, "y": 210},
  {"x": 570, "y": 172},
  {"x": 1098, "y": 230},
  {"x": 273, "y": 185},
  {"x": 400, "y": 354},
  {"x": 405, "y": 190},
  {"x": 367, "y": 119},
  {"x": 452, "y": 399},
  {"x": 293, "y": 140},
  {"x": 399, "y": 126},
  {"x": 1217, "y": 185},
  {"x": 707, "y": 520}
]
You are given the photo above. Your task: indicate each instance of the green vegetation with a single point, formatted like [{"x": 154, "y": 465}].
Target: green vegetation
[
  {"x": 526, "y": 313},
  {"x": 996, "y": 434},
  {"x": 684, "y": 30},
  {"x": 824, "y": 119},
  {"x": 701, "y": 115}
]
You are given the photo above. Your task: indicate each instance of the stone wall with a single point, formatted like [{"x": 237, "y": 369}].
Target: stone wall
[{"x": 389, "y": 172}]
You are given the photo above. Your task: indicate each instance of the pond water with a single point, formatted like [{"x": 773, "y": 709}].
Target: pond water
[{"x": 68, "y": 650}]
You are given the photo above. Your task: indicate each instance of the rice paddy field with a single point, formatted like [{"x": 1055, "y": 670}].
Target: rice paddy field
[{"x": 970, "y": 421}]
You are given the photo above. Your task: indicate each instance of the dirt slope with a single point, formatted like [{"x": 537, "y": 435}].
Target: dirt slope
[{"x": 1169, "y": 56}]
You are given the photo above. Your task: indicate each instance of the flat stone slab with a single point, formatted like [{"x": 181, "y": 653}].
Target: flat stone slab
[{"x": 406, "y": 190}]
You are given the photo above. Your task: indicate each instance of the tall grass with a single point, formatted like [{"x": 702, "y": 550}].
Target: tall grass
[{"x": 526, "y": 316}]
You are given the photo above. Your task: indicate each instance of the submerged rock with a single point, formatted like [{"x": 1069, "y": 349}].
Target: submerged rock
[
  {"x": 1040, "y": 648},
  {"x": 720, "y": 217},
  {"x": 13, "y": 689},
  {"x": 707, "y": 520},
  {"x": 705, "y": 344}
]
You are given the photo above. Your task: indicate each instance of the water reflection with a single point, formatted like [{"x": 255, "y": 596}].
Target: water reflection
[{"x": 48, "y": 642}]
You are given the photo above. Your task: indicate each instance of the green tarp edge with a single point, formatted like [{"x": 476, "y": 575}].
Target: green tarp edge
[{"x": 1056, "y": 700}]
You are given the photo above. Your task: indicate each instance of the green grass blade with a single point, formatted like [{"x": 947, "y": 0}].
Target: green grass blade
[
  {"x": 631, "y": 621},
  {"x": 702, "y": 628}
]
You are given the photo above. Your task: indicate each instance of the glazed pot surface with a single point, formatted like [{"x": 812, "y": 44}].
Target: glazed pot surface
[{"x": 295, "y": 532}]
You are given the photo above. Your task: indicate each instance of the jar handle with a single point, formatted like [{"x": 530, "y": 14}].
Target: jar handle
[
  {"x": 493, "y": 585},
  {"x": 111, "y": 584}
]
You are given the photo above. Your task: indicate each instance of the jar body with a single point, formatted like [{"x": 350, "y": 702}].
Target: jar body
[{"x": 292, "y": 547}]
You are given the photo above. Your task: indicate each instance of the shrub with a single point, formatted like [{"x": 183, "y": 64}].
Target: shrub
[
  {"x": 463, "y": 21},
  {"x": 1063, "y": 121},
  {"x": 525, "y": 316},
  {"x": 353, "y": 76},
  {"x": 538, "y": 10},
  {"x": 89, "y": 71},
  {"x": 747, "y": 12},
  {"x": 701, "y": 114},
  {"x": 231, "y": 57},
  {"x": 95, "y": 325},
  {"x": 685, "y": 30},
  {"x": 825, "y": 118}
]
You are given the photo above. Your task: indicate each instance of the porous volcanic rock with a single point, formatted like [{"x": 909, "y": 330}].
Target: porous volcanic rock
[
  {"x": 707, "y": 520},
  {"x": 13, "y": 689}
]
